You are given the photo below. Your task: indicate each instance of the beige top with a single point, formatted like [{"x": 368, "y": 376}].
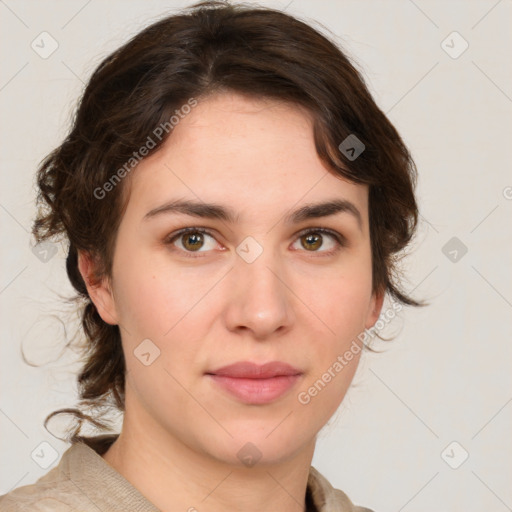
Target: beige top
[{"x": 83, "y": 481}]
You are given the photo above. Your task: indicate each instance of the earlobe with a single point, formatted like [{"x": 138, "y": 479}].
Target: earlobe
[
  {"x": 99, "y": 292},
  {"x": 375, "y": 309}
]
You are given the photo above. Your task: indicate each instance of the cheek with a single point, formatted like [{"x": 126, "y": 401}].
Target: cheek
[
  {"x": 168, "y": 305},
  {"x": 340, "y": 304},
  {"x": 149, "y": 295},
  {"x": 342, "y": 301},
  {"x": 342, "y": 307}
]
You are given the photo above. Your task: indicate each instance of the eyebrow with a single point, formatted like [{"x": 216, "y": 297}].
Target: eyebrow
[{"x": 219, "y": 212}]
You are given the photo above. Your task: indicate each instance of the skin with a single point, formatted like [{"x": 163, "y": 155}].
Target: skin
[{"x": 294, "y": 303}]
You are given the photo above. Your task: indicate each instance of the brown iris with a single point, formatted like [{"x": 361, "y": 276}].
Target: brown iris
[
  {"x": 193, "y": 241},
  {"x": 312, "y": 238}
]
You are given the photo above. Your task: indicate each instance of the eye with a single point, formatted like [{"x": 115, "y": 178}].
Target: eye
[
  {"x": 313, "y": 238},
  {"x": 192, "y": 240}
]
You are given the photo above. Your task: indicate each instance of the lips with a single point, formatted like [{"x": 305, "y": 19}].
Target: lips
[
  {"x": 256, "y": 384},
  {"x": 249, "y": 370}
]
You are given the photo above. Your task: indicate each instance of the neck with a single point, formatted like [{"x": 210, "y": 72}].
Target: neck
[{"x": 173, "y": 476}]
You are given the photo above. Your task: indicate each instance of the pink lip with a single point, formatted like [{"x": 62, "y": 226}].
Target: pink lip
[{"x": 256, "y": 384}]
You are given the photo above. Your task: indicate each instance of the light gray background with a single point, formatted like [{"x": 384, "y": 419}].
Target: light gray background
[{"x": 447, "y": 375}]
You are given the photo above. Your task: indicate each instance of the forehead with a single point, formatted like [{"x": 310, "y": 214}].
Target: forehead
[{"x": 255, "y": 155}]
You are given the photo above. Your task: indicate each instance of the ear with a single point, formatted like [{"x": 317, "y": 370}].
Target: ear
[
  {"x": 100, "y": 293},
  {"x": 374, "y": 309}
]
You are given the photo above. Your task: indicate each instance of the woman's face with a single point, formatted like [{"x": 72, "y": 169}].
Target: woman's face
[{"x": 252, "y": 288}]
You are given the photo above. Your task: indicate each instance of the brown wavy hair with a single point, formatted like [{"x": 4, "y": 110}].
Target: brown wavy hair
[{"x": 209, "y": 48}]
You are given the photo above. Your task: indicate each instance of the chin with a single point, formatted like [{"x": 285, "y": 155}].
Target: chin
[{"x": 261, "y": 444}]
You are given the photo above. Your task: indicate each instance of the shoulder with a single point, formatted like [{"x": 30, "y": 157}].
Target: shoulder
[
  {"x": 50, "y": 493},
  {"x": 64, "y": 488},
  {"x": 349, "y": 506},
  {"x": 329, "y": 499},
  {"x": 38, "y": 504},
  {"x": 82, "y": 481}
]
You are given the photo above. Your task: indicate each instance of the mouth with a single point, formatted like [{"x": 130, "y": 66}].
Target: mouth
[{"x": 256, "y": 384}]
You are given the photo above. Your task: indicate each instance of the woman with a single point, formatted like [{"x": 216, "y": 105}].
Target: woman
[{"x": 234, "y": 202}]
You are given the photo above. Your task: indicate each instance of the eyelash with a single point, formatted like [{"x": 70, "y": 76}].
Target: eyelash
[{"x": 339, "y": 238}]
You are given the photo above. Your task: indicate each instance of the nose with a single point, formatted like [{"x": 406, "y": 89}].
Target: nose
[{"x": 259, "y": 297}]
